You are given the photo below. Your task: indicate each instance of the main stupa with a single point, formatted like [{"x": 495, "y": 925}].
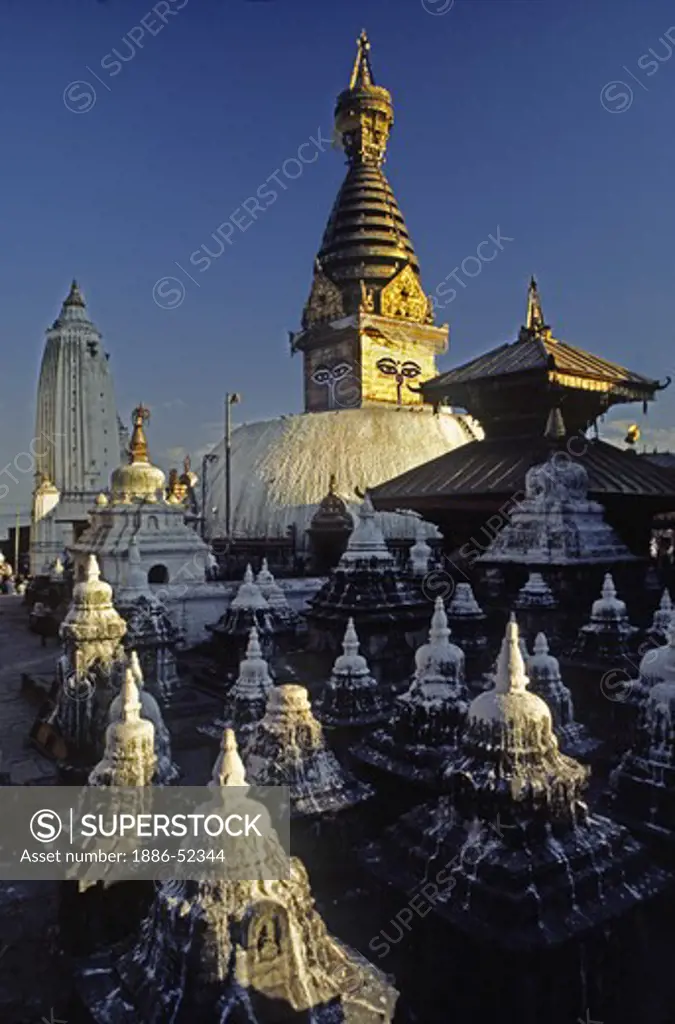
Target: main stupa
[{"x": 368, "y": 342}]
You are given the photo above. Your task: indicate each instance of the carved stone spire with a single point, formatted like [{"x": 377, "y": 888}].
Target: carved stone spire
[{"x": 229, "y": 768}]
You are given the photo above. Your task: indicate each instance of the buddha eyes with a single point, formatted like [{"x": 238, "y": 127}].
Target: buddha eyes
[
  {"x": 321, "y": 375},
  {"x": 326, "y": 375},
  {"x": 410, "y": 369},
  {"x": 386, "y": 366}
]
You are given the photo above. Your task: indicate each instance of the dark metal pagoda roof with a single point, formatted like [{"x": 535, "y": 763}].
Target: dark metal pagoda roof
[{"x": 497, "y": 467}]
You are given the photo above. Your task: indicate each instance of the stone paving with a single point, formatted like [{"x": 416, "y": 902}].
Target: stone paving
[{"x": 21, "y": 651}]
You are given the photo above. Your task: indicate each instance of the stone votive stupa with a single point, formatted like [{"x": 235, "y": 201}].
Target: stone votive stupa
[
  {"x": 150, "y": 629},
  {"x": 168, "y": 771},
  {"x": 96, "y": 911},
  {"x": 544, "y": 869},
  {"x": 605, "y": 640},
  {"x": 543, "y": 671},
  {"x": 329, "y": 530},
  {"x": 658, "y": 631},
  {"x": 89, "y": 673},
  {"x": 352, "y": 697},
  {"x": 557, "y": 528},
  {"x": 425, "y": 720},
  {"x": 246, "y": 702},
  {"x": 468, "y": 623},
  {"x": 231, "y": 633},
  {"x": 643, "y": 785},
  {"x": 276, "y": 599},
  {"x": 420, "y": 553},
  {"x": 288, "y": 748},
  {"x": 250, "y": 952},
  {"x": 389, "y": 611},
  {"x": 536, "y": 607}
]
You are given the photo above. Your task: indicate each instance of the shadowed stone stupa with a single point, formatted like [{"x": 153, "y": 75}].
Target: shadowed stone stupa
[
  {"x": 352, "y": 697},
  {"x": 547, "y": 869},
  {"x": 426, "y": 719},
  {"x": 235, "y": 952},
  {"x": 288, "y": 749}
]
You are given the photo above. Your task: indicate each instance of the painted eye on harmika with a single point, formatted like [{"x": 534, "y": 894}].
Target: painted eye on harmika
[
  {"x": 386, "y": 366},
  {"x": 410, "y": 369},
  {"x": 341, "y": 370},
  {"x": 321, "y": 375}
]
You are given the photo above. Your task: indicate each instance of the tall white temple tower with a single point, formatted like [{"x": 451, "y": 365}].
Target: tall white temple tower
[{"x": 77, "y": 436}]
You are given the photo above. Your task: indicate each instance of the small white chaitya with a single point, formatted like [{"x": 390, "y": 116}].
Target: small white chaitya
[
  {"x": 352, "y": 696},
  {"x": 606, "y": 638},
  {"x": 543, "y": 671},
  {"x": 662, "y": 618}
]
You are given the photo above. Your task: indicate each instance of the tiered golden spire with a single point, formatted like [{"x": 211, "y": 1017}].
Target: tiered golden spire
[{"x": 138, "y": 448}]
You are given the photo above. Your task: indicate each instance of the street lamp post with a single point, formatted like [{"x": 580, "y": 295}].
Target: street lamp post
[
  {"x": 209, "y": 457},
  {"x": 230, "y": 400}
]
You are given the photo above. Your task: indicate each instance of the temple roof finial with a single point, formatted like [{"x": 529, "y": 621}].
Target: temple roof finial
[
  {"x": 535, "y": 322},
  {"x": 362, "y": 73},
  {"x": 138, "y": 449}
]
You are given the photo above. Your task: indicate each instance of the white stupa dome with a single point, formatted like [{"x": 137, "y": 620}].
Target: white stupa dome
[{"x": 280, "y": 468}]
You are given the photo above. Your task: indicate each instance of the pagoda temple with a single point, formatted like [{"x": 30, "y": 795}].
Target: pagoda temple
[{"x": 533, "y": 397}]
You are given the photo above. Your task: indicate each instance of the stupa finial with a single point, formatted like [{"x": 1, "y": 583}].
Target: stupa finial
[
  {"x": 510, "y": 676},
  {"x": 135, "y": 668},
  {"x": 92, "y": 571},
  {"x": 350, "y": 642},
  {"x": 138, "y": 448},
  {"x": 608, "y": 587},
  {"x": 555, "y": 429},
  {"x": 228, "y": 769},
  {"x": 364, "y": 112},
  {"x": 540, "y": 644},
  {"x": 253, "y": 649},
  {"x": 362, "y": 73},
  {"x": 439, "y": 622},
  {"x": 130, "y": 710},
  {"x": 248, "y": 574},
  {"x": 666, "y": 602}
]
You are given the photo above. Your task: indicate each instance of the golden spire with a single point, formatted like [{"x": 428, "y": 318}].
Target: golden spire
[
  {"x": 364, "y": 113},
  {"x": 362, "y": 73},
  {"x": 74, "y": 297},
  {"x": 138, "y": 449},
  {"x": 535, "y": 323}
]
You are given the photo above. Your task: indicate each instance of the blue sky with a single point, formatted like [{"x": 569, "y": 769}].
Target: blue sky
[{"x": 499, "y": 123}]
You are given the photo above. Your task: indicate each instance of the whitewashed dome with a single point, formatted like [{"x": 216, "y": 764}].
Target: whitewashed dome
[
  {"x": 438, "y": 655},
  {"x": 510, "y": 703},
  {"x": 280, "y": 468}
]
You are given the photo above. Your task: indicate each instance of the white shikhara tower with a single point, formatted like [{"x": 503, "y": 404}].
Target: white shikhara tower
[{"x": 77, "y": 435}]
